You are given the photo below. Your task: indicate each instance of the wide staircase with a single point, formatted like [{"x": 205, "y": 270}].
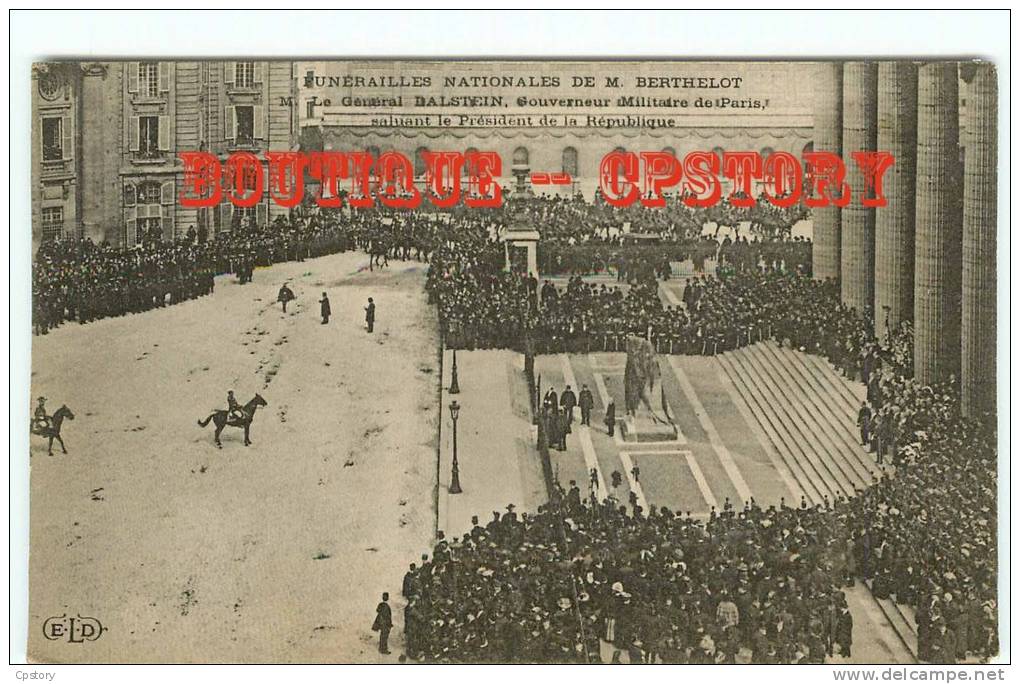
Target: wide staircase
[{"x": 808, "y": 411}]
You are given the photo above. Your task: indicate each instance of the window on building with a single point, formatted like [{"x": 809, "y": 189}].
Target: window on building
[
  {"x": 671, "y": 151},
  {"x": 419, "y": 162},
  {"x": 470, "y": 167},
  {"x": 52, "y": 134},
  {"x": 52, "y": 223},
  {"x": 245, "y": 124},
  {"x": 521, "y": 156},
  {"x": 310, "y": 109},
  {"x": 570, "y": 162},
  {"x": 148, "y": 79},
  {"x": 244, "y": 74},
  {"x": 149, "y": 193},
  {"x": 150, "y": 211},
  {"x": 244, "y": 218},
  {"x": 148, "y": 136}
]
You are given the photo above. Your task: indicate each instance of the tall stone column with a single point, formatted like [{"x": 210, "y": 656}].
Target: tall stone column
[
  {"x": 894, "y": 223},
  {"x": 977, "y": 373},
  {"x": 857, "y": 222},
  {"x": 938, "y": 231},
  {"x": 828, "y": 137}
]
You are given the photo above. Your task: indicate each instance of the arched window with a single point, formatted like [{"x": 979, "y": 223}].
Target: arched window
[
  {"x": 374, "y": 151},
  {"x": 419, "y": 162},
  {"x": 570, "y": 162},
  {"x": 765, "y": 152},
  {"x": 810, "y": 147},
  {"x": 521, "y": 156},
  {"x": 619, "y": 149},
  {"x": 468, "y": 164},
  {"x": 670, "y": 151}
]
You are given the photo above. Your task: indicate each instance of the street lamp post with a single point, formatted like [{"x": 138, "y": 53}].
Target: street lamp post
[
  {"x": 454, "y": 385},
  {"x": 455, "y": 478}
]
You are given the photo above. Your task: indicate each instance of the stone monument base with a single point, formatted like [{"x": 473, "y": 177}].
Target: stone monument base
[{"x": 643, "y": 428}]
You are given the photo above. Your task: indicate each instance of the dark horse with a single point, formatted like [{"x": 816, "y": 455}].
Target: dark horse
[
  {"x": 52, "y": 429},
  {"x": 222, "y": 419}
]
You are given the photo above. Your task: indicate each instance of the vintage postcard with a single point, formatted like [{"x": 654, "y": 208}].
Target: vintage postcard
[{"x": 515, "y": 361}]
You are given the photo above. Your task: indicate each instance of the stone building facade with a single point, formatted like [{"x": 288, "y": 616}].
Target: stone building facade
[
  {"x": 578, "y": 150},
  {"x": 106, "y": 137}
]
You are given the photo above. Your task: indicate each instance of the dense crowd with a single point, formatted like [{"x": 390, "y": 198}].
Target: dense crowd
[
  {"x": 924, "y": 537},
  {"x": 584, "y": 582},
  {"x": 78, "y": 280},
  {"x": 581, "y": 580}
]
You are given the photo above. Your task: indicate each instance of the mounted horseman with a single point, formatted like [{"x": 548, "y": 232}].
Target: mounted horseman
[
  {"x": 235, "y": 415},
  {"x": 49, "y": 426}
]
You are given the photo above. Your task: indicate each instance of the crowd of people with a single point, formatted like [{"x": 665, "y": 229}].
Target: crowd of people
[
  {"x": 924, "y": 537},
  {"x": 583, "y": 580},
  {"x": 587, "y": 582}
]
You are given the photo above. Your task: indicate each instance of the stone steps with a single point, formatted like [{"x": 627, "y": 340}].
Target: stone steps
[
  {"x": 825, "y": 425},
  {"x": 840, "y": 417},
  {"x": 801, "y": 424},
  {"x": 812, "y": 487},
  {"x": 792, "y": 439},
  {"x": 905, "y": 629}
]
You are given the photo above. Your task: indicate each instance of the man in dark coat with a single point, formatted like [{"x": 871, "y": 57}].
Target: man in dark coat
[
  {"x": 568, "y": 400},
  {"x": 550, "y": 402},
  {"x": 412, "y": 631},
  {"x": 586, "y": 402},
  {"x": 610, "y": 419},
  {"x": 844, "y": 629},
  {"x": 286, "y": 294},
  {"x": 370, "y": 314},
  {"x": 325, "y": 310},
  {"x": 383, "y": 623},
  {"x": 864, "y": 423},
  {"x": 410, "y": 588}
]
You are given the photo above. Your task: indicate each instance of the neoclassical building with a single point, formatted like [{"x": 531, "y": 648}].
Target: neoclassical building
[
  {"x": 105, "y": 138},
  {"x": 411, "y": 125}
]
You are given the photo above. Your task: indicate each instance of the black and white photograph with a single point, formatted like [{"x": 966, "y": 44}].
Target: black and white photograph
[{"x": 445, "y": 360}]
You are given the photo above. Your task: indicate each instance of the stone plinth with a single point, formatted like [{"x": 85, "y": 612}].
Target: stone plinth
[{"x": 522, "y": 239}]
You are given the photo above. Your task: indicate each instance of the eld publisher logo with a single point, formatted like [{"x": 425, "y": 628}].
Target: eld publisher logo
[{"x": 74, "y": 630}]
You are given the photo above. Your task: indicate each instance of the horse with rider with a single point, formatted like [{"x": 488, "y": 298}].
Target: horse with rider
[
  {"x": 47, "y": 426},
  {"x": 235, "y": 415}
]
